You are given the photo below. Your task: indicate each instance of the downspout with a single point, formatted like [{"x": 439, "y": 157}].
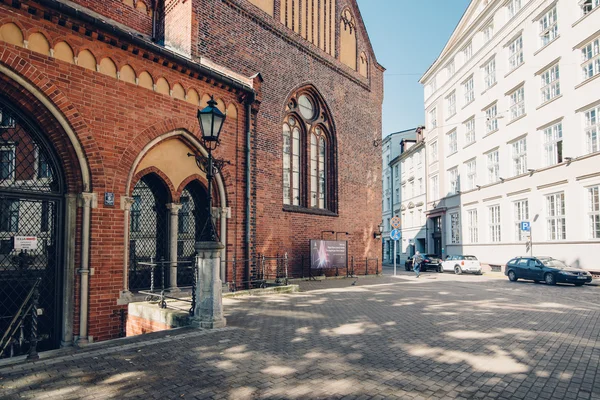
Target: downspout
[
  {"x": 249, "y": 102},
  {"x": 87, "y": 199}
]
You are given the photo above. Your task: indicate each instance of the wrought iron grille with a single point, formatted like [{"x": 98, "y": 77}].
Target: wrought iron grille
[
  {"x": 148, "y": 231},
  {"x": 30, "y": 207}
]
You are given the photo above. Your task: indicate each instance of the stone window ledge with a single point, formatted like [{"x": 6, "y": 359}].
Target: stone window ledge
[{"x": 305, "y": 210}]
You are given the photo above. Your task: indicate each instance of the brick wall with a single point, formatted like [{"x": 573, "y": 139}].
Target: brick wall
[{"x": 125, "y": 14}]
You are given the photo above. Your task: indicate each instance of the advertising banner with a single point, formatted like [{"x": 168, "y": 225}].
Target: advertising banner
[{"x": 328, "y": 254}]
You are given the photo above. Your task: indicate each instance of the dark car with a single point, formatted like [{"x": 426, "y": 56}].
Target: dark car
[
  {"x": 430, "y": 262},
  {"x": 545, "y": 269}
]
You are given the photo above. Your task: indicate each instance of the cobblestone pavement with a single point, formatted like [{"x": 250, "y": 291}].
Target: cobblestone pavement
[{"x": 440, "y": 336}]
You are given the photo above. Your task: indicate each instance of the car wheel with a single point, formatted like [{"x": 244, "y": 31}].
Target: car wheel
[
  {"x": 549, "y": 278},
  {"x": 457, "y": 270},
  {"x": 512, "y": 276},
  {"x": 578, "y": 284},
  {"x": 440, "y": 269}
]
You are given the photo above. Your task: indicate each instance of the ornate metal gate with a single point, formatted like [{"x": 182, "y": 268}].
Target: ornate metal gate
[
  {"x": 31, "y": 206},
  {"x": 149, "y": 235}
]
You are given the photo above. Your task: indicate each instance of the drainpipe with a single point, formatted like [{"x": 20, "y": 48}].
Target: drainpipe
[
  {"x": 85, "y": 271},
  {"x": 249, "y": 102}
]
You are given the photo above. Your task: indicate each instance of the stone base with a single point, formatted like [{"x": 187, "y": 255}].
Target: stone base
[{"x": 209, "y": 324}]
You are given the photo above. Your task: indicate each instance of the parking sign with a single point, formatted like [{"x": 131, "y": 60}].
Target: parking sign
[{"x": 525, "y": 226}]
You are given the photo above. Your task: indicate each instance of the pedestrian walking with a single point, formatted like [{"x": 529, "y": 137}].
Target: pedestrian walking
[{"x": 417, "y": 260}]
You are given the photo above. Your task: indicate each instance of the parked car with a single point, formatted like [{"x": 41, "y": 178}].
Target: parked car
[
  {"x": 545, "y": 269},
  {"x": 460, "y": 264},
  {"x": 430, "y": 262}
]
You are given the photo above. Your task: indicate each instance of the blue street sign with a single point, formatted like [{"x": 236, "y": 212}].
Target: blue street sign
[
  {"x": 525, "y": 226},
  {"x": 395, "y": 234}
]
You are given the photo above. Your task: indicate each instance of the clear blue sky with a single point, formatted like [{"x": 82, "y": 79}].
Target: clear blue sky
[{"x": 407, "y": 36}]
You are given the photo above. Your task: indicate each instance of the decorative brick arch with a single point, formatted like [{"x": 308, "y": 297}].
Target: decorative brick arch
[
  {"x": 163, "y": 177},
  {"x": 35, "y": 93},
  {"x": 202, "y": 180}
]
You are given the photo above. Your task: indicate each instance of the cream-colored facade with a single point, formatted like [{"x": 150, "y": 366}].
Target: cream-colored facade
[{"x": 513, "y": 130}]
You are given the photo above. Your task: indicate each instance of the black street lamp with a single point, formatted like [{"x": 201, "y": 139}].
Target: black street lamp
[{"x": 211, "y": 121}]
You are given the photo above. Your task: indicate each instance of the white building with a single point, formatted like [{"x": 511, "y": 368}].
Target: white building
[
  {"x": 391, "y": 187},
  {"x": 512, "y": 108}
]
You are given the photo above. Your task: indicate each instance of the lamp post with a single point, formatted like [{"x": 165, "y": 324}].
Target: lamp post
[{"x": 211, "y": 121}]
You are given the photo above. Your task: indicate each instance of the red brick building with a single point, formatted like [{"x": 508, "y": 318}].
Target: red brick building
[{"x": 99, "y": 103}]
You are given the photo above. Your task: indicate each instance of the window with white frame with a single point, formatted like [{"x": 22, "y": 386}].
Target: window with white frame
[
  {"x": 418, "y": 158},
  {"x": 470, "y": 130},
  {"x": 435, "y": 188},
  {"x": 451, "y": 104},
  {"x": 521, "y": 215},
  {"x": 590, "y": 54},
  {"x": 433, "y": 118},
  {"x": 517, "y": 103},
  {"x": 519, "y": 156},
  {"x": 433, "y": 84},
  {"x": 404, "y": 191},
  {"x": 491, "y": 119},
  {"x": 468, "y": 52},
  {"x": 556, "y": 220},
  {"x": 7, "y": 162},
  {"x": 469, "y": 90},
  {"x": 420, "y": 186},
  {"x": 548, "y": 27},
  {"x": 450, "y": 69},
  {"x": 550, "y": 83},
  {"x": 494, "y": 223},
  {"x": 515, "y": 53},
  {"x": 454, "y": 178},
  {"x": 513, "y": 7},
  {"x": 489, "y": 73},
  {"x": 471, "y": 171},
  {"x": 553, "y": 145},
  {"x": 488, "y": 32},
  {"x": 493, "y": 166},
  {"x": 472, "y": 226},
  {"x": 433, "y": 152},
  {"x": 455, "y": 228},
  {"x": 412, "y": 189},
  {"x": 452, "y": 142},
  {"x": 594, "y": 211},
  {"x": 397, "y": 195},
  {"x": 588, "y": 5},
  {"x": 592, "y": 129}
]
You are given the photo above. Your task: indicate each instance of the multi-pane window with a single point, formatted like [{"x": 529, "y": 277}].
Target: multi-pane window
[
  {"x": 489, "y": 73},
  {"x": 136, "y": 210},
  {"x": 7, "y": 162},
  {"x": 548, "y": 27},
  {"x": 588, "y": 5},
  {"x": 291, "y": 162},
  {"x": 455, "y": 228},
  {"x": 488, "y": 33},
  {"x": 550, "y": 83},
  {"x": 433, "y": 118},
  {"x": 517, "y": 103},
  {"x": 515, "y": 53},
  {"x": 592, "y": 129},
  {"x": 513, "y": 7},
  {"x": 9, "y": 215},
  {"x": 397, "y": 195},
  {"x": 452, "y": 142},
  {"x": 451, "y": 69},
  {"x": 420, "y": 185},
  {"x": 451, "y": 104},
  {"x": 472, "y": 226},
  {"x": 468, "y": 52},
  {"x": 556, "y": 220},
  {"x": 591, "y": 59},
  {"x": 521, "y": 215},
  {"x": 43, "y": 167},
  {"x": 412, "y": 189},
  {"x": 553, "y": 145},
  {"x": 494, "y": 224},
  {"x": 470, "y": 131},
  {"x": 594, "y": 211},
  {"x": 493, "y": 166},
  {"x": 454, "y": 178},
  {"x": 519, "y": 157},
  {"x": 471, "y": 170},
  {"x": 318, "y": 177},
  {"x": 185, "y": 216},
  {"x": 433, "y": 152},
  {"x": 435, "y": 187},
  {"x": 491, "y": 119},
  {"x": 433, "y": 84},
  {"x": 469, "y": 90},
  {"x": 418, "y": 158}
]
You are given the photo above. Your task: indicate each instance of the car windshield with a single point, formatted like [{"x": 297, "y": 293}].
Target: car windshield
[
  {"x": 470, "y": 258},
  {"x": 554, "y": 264}
]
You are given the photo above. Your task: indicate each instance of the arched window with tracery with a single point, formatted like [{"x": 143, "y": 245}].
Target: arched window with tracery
[{"x": 308, "y": 153}]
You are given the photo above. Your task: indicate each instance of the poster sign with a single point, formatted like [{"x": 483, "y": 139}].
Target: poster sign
[
  {"x": 328, "y": 254},
  {"x": 26, "y": 242}
]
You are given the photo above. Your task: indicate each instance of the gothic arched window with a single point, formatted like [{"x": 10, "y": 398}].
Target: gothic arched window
[{"x": 308, "y": 153}]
